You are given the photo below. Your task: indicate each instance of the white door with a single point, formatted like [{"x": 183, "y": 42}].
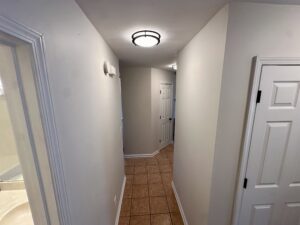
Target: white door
[
  {"x": 272, "y": 194},
  {"x": 166, "y": 121}
]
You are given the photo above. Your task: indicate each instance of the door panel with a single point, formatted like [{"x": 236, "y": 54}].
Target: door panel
[
  {"x": 272, "y": 196},
  {"x": 274, "y": 149},
  {"x": 261, "y": 214},
  {"x": 291, "y": 214}
]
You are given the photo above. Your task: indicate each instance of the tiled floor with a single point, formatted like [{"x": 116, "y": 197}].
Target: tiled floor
[{"x": 148, "y": 196}]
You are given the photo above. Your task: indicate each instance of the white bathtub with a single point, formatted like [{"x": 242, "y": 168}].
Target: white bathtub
[
  {"x": 20, "y": 215},
  {"x": 14, "y": 208}
]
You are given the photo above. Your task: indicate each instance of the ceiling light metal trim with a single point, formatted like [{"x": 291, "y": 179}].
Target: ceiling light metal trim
[{"x": 146, "y": 33}]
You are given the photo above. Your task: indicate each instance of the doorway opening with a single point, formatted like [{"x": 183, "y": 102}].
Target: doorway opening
[
  {"x": 21, "y": 139},
  {"x": 32, "y": 189},
  {"x": 13, "y": 196}
]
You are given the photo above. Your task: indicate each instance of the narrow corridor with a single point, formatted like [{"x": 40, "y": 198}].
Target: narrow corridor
[{"x": 148, "y": 196}]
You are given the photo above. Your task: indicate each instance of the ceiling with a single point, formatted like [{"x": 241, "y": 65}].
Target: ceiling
[
  {"x": 293, "y": 2},
  {"x": 176, "y": 20}
]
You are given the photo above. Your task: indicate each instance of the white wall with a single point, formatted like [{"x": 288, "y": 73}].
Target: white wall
[
  {"x": 253, "y": 29},
  {"x": 158, "y": 76},
  {"x": 136, "y": 102},
  {"x": 87, "y": 105},
  {"x": 199, "y": 76}
]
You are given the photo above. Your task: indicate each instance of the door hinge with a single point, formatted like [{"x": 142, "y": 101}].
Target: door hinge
[
  {"x": 159, "y": 141},
  {"x": 159, "y": 117},
  {"x": 258, "y": 96},
  {"x": 245, "y": 183},
  {"x": 159, "y": 91}
]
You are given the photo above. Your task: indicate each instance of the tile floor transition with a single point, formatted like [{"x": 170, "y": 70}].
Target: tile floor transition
[{"x": 148, "y": 196}]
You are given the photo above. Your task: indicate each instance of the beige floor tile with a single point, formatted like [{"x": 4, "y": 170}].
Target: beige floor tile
[
  {"x": 156, "y": 190},
  {"x": 151, "y": 162},
  {"x": 154, "y": 178},
  {"x": 129, "y": 162},
  {"x": 140, "y": 170},
  {"x": 140, "y": 191},
  {"x": 124, "y": 220},
  {"x": 176, "y": 219},
  {"x": 158, "y": 205},
  {"x": 172, "y": 203},
  {"x": 129, "y": 179},
  {"x": 126, "y": 207},
  {"x": 168, "y": 189},
  {"x": 140, "y": 206},
  {"x": 170, "y": 157},
  {"x": 140, "y": 179},
  {"x": 128, "y": 190},
  {"x": 161, "y": 156},
  {"x": 161, "y": 219},
  {"x": 140, "y": 162},
  {"x": 163, "y": 161},
  {"x": 153, "y": 169},
  {"x": 165, "y": 168},
  {"x": 140, "y": 220},
  {"x": 129, "y": 170},
  {"x": 167, "y": 178}
]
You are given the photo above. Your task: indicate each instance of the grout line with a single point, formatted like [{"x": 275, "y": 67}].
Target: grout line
[{"x": 148, "y": 185}]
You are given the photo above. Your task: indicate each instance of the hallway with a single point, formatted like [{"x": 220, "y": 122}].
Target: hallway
[
  {"x": 148, "y": 196},
  {"x": 175, "y": 112}
]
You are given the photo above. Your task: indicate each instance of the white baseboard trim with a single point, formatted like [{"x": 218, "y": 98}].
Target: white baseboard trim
[
  {"x": 129, "y": 156},
  {"x": 179, "y": 205},
  {"x": 120, "y": 202}
]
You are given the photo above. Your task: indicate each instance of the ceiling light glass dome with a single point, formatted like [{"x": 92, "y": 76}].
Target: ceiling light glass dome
[{"x": 146, "y": 38}]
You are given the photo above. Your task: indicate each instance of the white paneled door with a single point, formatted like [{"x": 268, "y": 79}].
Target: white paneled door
[
  {"x": 272, "y": 188},
  {"x": 166, "y": 114}
]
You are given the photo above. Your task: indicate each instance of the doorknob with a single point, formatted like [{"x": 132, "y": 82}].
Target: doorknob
[{"x": 170, "y": 119}]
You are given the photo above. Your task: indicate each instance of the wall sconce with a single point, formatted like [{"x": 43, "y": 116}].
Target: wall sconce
[
  {"x": 109, "y": 69},
  {"x": 173, "y": 66}
]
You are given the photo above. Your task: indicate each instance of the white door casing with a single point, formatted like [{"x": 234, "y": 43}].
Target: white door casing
[
  {"x": 166, "y": 114},
  {"x": 46, "y": 167},
  {"x": 271, "y": 156}
]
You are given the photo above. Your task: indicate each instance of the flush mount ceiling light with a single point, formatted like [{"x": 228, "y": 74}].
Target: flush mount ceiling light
[{"x": 146, "y": 38}]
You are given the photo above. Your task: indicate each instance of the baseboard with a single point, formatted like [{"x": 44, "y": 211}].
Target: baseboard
[
  {"x": 179, "y": 205},
  {"x": 120, "y": 201},
  {"x": 129, "y": 156}
]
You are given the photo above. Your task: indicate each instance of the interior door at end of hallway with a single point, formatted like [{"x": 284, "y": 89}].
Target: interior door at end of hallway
[{"x": 166, "y": 114}]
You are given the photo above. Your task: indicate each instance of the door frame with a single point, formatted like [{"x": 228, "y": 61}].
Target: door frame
[
  {"x": 172, "y": 85},
  {"x": 45, "y": 104},
  {"x": 256, "y": 70}
]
